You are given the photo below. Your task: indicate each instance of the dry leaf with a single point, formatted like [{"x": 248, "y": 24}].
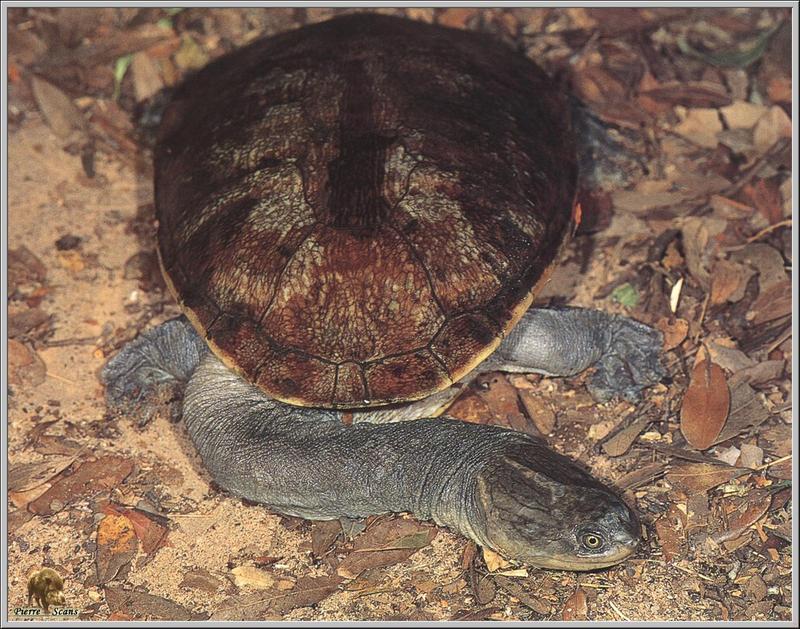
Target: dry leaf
[
  {"x": 690, "y": 94},
  {"x": 693, "y": 478},
  {"x": 619, "y": 443},
  {"x": 747, "y": 410},
  {"x": 323, "y": 535},
  {"x": 670, "y": 529},
  {"x": 700, "y": 126},
  {"x": 27, "y": 476},
  {"x": 493, "y": 560},
  {"x": 388, "y": 542},
  {"x": 274, "y": 603},
  {"x": 771, "y": 127},
  {"x": 90, "y": 479},
  {"x": 742, "y": 114},
  {"x": 116, "y": 546},
  {"x": 728, "y": 282},
  {"x": 133, "y": 604},
  {"x": 539, "y": 411},
  {"x": 58, "y": 109},
  {"x": 705, "y": 405},
  {"x": 523, "y": 594},
  {"x": 248, "y": 576},
  {"x": 674, "y": 330},
  {"x": 146, "y": 76},
  {"x": 772, "y": 303},
  {"x": 575, "y": 608}
]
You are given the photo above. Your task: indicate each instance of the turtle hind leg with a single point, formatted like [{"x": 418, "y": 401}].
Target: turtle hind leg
[
  {"x": 625, "y": 353},
  {"x": 152, "y": 368}
]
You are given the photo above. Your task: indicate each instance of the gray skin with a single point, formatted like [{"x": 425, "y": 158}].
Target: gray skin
[{"x": 503, "y": 489}]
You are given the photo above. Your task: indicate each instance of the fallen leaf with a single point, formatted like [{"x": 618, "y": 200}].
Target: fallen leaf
[
  {"x": 766, "y": 260},
  {"x": 136, "y": 605},
  {"x": 61, "y": 114},
  {"x": 742, "y": 114},
  {"x": 640, "y": 476},
  {"x": 772, "y": 303},
  {"x": 674, "y": 330},
  {"x": 28, "y": 322},
  {"x": 248, "y": 576},
  {"x": 638, "y": 202},
  {"x": 747, "y": 410},
  {"x": 503, "y": 403},
  {"x": 201, "y": 579},
  {"x": 622, "y": 441},
  {"x": 469, "y": 407},
  {"x": 151, "y": 533},
  {"x": 538, "y": 410},
  {"x": 670, "y": 530},
  {"x": 494, "y": 561},
  {"x": 575, "y": 607},
  {"x": 771, "y": 127},
  {"x": 523, "y": 595},
  {"x": 694, "y": 478},
  {"x": 26, "y": 476},
  {"x": 25, "y": 367},
  {"x": 24, "y": 268},
  {"x": 777, "y": 440},
  {"x": 752, "y": 456},
  {"x": 323, "y": 535},
  {"x": 274, "y": 603},
  {"x": 626, "y": 295},
  {"x": 765, "y": 196},
  {"x": 90, "y": 479},
  {"x": 705, "y": 405},
  {"x": 146, "y": 76},
  {"x": 387, "y": 543},
  {"x": 116, "y": 547},
  {"x": 456, "y": 17},
  {"x": 700, "y": 126},
  {"x": 690, "y": 94},
  {"x": 762, "y": 372},
  {"x": 728, "y": 281}
]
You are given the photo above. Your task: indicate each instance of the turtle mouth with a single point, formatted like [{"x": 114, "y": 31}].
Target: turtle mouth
[{"x": 588, "y": 562}]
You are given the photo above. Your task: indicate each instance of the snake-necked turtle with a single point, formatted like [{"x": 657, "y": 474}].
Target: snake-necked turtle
[{"x": 356, "y": 215}]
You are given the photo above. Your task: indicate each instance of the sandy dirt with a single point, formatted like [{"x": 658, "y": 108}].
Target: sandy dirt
[{"x": 95, "y": 301}]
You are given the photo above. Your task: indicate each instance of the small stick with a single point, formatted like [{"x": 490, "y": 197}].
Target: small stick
[
  {"x": 619, "y": 612},
  {"x": 771, "y": 463},
  {"x": 769, "y": 229}
]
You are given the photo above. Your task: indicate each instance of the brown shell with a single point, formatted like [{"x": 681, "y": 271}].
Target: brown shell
[{"x": 355, "y": 212}]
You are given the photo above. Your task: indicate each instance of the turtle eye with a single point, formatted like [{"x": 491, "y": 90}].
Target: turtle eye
[{"x": 591, "y": 541}]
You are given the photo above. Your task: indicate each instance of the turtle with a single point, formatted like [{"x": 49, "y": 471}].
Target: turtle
[{"x": 354, "y": 218}]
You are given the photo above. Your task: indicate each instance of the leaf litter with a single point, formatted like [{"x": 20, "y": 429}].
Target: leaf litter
[{"x": 700, "y": 100}]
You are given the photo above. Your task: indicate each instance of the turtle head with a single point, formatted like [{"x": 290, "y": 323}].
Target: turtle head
[{"x": 540, "y": 508}]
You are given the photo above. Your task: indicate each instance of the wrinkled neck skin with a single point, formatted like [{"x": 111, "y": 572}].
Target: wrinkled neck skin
[{"x": 307, "y": 463}]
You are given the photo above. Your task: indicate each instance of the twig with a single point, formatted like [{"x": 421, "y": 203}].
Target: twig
[
  {"x": 769, "y": 229},
  {"x": 86, "y": 340},
  {"x": 619, "y": 611},
  {"x": 702, "y": 318},
  {"x": 786, "y": 334},
  {"x": 771, "y": 463},
  {"x": 755, "y": 168},
  {"x": 62, "y": 378}
]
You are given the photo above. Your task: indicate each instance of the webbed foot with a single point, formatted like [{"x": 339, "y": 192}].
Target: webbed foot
[
  {"x": 630, "y": 363},
  {"x": 152, "y": 369},
  {"x": 565, "y": 341}
]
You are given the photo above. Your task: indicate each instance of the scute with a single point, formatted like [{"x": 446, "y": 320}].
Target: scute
[{"x": 355, "y": 212}]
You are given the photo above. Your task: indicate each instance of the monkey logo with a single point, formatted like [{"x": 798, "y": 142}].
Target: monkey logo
[{"x": 46, "y": 588}]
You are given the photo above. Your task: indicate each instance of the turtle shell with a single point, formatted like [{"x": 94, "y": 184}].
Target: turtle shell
[{"x": 354, "y": 213}]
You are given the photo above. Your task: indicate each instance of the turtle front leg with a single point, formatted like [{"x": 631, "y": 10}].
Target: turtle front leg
[{"x": 565, "y": 341}]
